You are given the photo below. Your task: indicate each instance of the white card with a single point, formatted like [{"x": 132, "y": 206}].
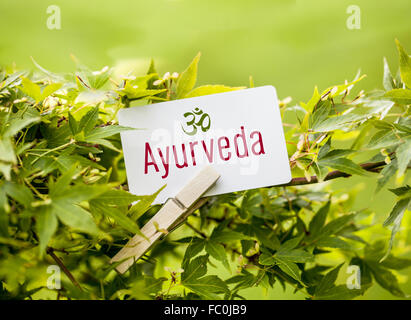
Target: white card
[{"x": 239, "y": 133}]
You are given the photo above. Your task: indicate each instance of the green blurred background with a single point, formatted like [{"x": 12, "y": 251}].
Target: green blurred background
[{"x": 291, "y": 44}]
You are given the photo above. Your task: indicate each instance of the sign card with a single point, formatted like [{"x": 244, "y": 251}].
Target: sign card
[{"x": 239, "y": 133}]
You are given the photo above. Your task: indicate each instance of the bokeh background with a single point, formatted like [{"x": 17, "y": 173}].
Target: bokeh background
[{"x": 291, "y": 44}]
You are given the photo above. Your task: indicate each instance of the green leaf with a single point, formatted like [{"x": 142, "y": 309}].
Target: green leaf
[
  {"x": 80, "y": 193},
  {"x": 56, "y": 136},
  {"x": 386, "y": 279},
  {"x": 151, "y": 68},
  {"x": 289, "y": 268},
  {"x": 194, "y": 248},
  {"x": 51, "y": 75},
  {"x": 340, "y": 292},
  {"x": 403, "y": 192},
  {"x": 318, "y": 221},
  {"x": 401, "y": 96},
  {"x": 386, "y": 173},
  {"x": 296, "y": 255},
  {"x": 403, "y": 154},
  {"x": 395, "y": 219},
  {"x": 327, "y": 282},
  {"x": 141, "y": 207},
  {"x": 210, "y": 89},
  {"x": 4, "y": 219},
  {"x": 106, "y": 143},
  {"x": 31, "y": 89},
  {"x": 104, "y": 132},
  {"x": 397, "y": 212},
  {"x": 50, "y": 89},
  {"x": 268, "y": 239},
  {"x": 19, "y": 192},
  {"x": 194, "y": 269},
  {"x": 313, "y": 101},
  {"x": 333, "y": 123},
  {"x": 7, "y": 150},
  {"x": 243, "y": 281},
  {"x": 227, "y": 236},
  {"x": 385, "y": 139},
  {"x": 325, "y": 148},
  {"x": 388, "y": 81},
  {"x": 405, "y": 65},
  {"x": 19, "y": 121},
  {"x": 73, "y": 124},
  {"x": 207, "y": 287},
  {"x": 336, "y": 225},
  {"x": 89, "y": 121},
  {"x": 5, "y": 169},
  {"x": 266, "y": 259},
  {"x": 396, "y": 263},
  {"x": 345, "y": 165},
  {"x": 333, "y": 242},
  {"x": 291, "y": 243},
  {"x": 117, "y": 197},
  {"x": 218, "y": 252},
  {"x": 63, "y": 182},
  {"x": 320, "y": 114},
  {"x": 117, "y": 215},
  {"x": 188, "y": 78},
  {"x": 46, "y": 223},
  {"x": 91, "y": 79},
  {"x": 335, "y": 154},
  {"x": 75, "y": 216},
  {"x": 65, "y": 162}
]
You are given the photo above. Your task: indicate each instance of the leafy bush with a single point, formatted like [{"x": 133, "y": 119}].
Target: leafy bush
[{"x": 64, "y": 198}]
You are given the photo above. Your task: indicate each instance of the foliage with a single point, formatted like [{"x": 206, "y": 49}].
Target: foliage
[{"x": 64, "y": 198}]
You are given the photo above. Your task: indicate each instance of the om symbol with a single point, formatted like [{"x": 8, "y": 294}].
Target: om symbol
[{"x": 203, "y": 122}]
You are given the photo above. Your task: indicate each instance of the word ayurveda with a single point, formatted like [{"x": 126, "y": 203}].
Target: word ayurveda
[
  {"x": 238, "y": 133},
  {"x": 241, "y": 145}
]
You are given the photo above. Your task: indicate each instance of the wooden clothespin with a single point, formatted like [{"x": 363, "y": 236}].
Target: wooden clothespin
[{"x": 173, "y": 212}]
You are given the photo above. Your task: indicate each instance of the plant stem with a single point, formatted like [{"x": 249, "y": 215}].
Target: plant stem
[
  {"x": 55, "y": 149},
  {"x": 202, "y": 234},
  {"x": 50, "y": 251},
  {"x": 371, "y": 166}
]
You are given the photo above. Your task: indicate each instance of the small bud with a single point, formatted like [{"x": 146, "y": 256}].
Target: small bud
[
  {"x": 50, "y": 103},
  {"x": 307, "y": 176},
  {"x": 131, "y": 78},
  {"x": 24, "y": 99},
  {"x": 158, "y": 82},
  {"x": 241, "y": 260},
  {"x": 175, "y": 75},
  {"x": 97, "y": 73}
]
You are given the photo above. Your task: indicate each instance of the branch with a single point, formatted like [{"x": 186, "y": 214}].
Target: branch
[
  {"x": 371, "y": 166},
  {"x": 202, "y": 234},
  {"x": 50, "y": 251}
]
